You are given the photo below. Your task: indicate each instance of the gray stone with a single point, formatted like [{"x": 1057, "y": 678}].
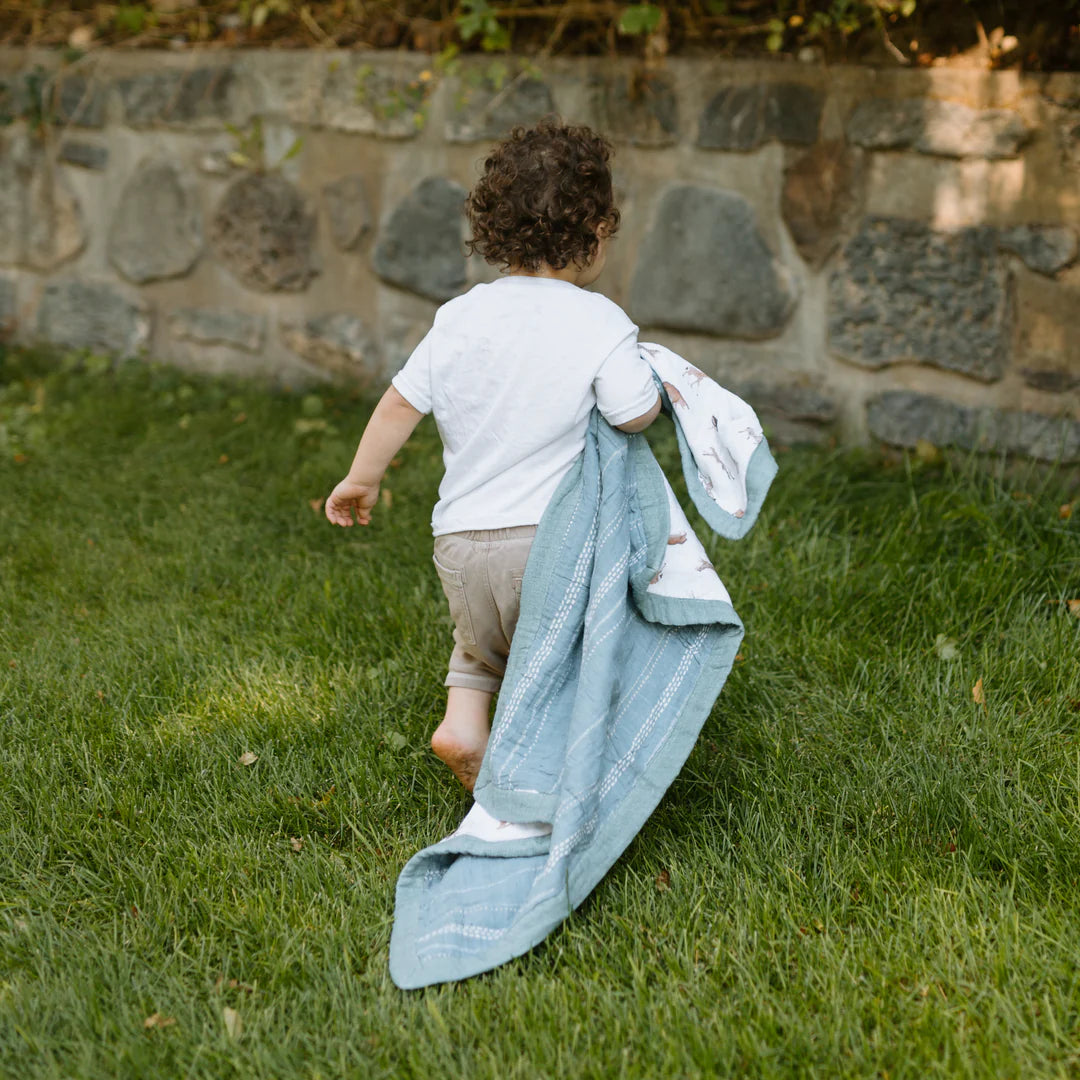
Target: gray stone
[
  {"x": 1069, "y": 136},
  {"x": 792, "y": 401},
  {"x": 1052, "y": 381},
  {"x": 1046, "y": 347},
  {"x": 56, "y": 97},
  {"x": 80, "y": 102},
  {"x": 337, "y": 343},
  {"x": 1045, "y": 249},
  {"x": 902, "y": 417},
  {"x": 219, "y": 326},
  {"x": 8, "y": 306},
  {"x": 942, "y": 128},
  {"x": 420, "y": 244},
  {"x": 818, "y": 198},
  {"x": 17, "y": 163},
  {"x": 348, "y": 211},
  {"x": 41, "y": 223},
  {"x": 906, "y": 293},
  {"x": 791, "y": 412},
  {"x": 640, "y": 109},
  {"x": 704, "y": 266},
  {"x": 384, "y": 101},
  {"x": 485, "y": 112},
  {"x": 746, "y": 117},
  {"x": 87, "y": 155},
  {"x": 1063, "y": 109},
  {"x": 28, "y": 95},
  {"x": 263, "y": 232},
  {"x": 9, "y": 107},
  {"x": 93, "y": 315},
  {"x": 156, "y": 231},
  {"x": 201, "y": 96},
  {"x": 286, "y": 83}
]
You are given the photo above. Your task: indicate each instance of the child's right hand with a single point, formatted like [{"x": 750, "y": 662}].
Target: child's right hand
[{"x": 349, "y": 497}]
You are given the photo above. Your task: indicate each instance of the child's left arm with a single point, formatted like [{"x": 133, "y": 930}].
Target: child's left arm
[{"x": 392, "y": 422}]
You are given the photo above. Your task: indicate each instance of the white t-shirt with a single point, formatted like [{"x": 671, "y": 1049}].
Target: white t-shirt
[{"x": 512, "y": 370}]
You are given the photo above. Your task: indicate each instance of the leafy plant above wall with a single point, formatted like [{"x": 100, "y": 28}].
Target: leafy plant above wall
[
  {"x": 478, "y": 20},
  {"x": 1035, "y": 33}
]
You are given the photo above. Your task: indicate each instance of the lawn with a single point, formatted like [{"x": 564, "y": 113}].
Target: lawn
[{"x": 870, "y": 865}]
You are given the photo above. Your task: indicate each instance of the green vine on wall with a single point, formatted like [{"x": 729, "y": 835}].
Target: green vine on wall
[
  {"x": 249, "y": 148},
  {"x": 29, "y": 97}
]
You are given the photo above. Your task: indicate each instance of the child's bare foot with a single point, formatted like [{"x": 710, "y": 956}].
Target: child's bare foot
[
  {"x": 461, "y": 739},
  {"x": 460, "y": 752}
]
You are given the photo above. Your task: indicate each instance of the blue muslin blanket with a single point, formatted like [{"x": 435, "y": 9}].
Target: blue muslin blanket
[{"x": 625, "y": 638}]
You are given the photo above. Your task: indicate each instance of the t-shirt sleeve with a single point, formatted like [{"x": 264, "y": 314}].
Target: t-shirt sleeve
[
  {"x": 624, "y": 384},
  {"x": 413, "y": 381}
]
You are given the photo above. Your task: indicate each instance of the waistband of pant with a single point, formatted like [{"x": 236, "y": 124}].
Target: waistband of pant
[{"x": 489, "y": 536}]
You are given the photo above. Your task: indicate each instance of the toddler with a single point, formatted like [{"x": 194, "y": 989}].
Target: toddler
[{"x": 512, "y": 371}]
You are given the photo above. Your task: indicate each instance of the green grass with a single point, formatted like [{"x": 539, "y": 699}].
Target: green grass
[{"x": 870, "y": 873}]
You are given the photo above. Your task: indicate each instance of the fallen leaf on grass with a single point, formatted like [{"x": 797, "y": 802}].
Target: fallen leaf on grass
[
  {"x": 232, "y": 984},
  {"x": 1074, "y": 607},
  {"x": 395, "y": 463},
  {"x": 927, "y": 452},
  {"x": 234, "y": 1026},
  {"x": 296, "y": 843},
  {"x": 21, "y": 459},
  {"x": 945, "y": 647},
  {"x": 663, "y": 881},
  {"x": 156, "y": 1020},
  {"x": 247, "y": 758},
  {"x": 316, "y": 504},
  {"x": 13, "y": 663},
  {"x": 387, "y": 498},
  {"x": 100, "y": 695},
  {"x": 223, "y": 460},
  {"x": 239, "y": 418},
  {"x": 1065, "y": 511},
  {"x": 978, "y": 695}
]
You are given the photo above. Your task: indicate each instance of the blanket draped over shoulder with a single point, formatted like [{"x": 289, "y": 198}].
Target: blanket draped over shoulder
[{"x": 625, "y": 638}]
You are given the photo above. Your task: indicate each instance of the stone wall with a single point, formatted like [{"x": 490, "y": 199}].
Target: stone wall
[{"x": 882, "y": 254}]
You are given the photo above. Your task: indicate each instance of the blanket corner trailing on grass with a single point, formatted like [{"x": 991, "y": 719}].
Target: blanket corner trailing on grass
[{"x": 625, "y": 639}]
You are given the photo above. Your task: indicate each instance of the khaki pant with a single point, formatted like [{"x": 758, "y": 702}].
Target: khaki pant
[{"x": 481, "y": 573}]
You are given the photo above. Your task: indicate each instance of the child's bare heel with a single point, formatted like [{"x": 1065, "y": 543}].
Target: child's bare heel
[{"x": 463, "y": 755}]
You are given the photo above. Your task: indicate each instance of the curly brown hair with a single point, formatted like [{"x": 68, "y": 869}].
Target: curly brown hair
[{"x": 545, "y": 198}]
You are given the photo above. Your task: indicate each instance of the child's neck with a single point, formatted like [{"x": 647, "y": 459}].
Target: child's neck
[{"x": 569, "y": 273}]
